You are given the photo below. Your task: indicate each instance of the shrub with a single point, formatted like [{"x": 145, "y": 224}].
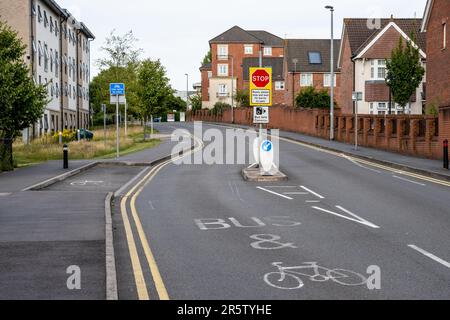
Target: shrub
[
  {"x": 67, "y": 136},
  {"x": 243, "y": 98},
  {"x": 311, "y": 98},
  {"x": 219, "y": 108}
]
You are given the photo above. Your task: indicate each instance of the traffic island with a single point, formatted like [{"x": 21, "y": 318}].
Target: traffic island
[{"x": 253, "y": 174}]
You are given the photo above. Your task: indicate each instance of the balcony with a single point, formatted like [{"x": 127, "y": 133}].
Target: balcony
[
  {"x": 223, "y": 57},
  {"x": 222, "y": 94}
]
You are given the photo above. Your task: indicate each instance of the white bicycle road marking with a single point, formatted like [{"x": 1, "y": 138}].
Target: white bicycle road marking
[
  {"x": 289, "y": 278},
  {"x": 355, "y": 218},
  {"x": 430, "y": 255}
]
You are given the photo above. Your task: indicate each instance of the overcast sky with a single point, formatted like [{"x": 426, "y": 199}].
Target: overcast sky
[{"x": 178, "y": 31}]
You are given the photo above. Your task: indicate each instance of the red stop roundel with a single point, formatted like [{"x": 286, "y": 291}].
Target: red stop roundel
[{"x": 260, "y": 78}]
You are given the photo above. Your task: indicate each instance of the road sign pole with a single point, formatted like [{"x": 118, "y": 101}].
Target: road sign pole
[
  {"x": 126, "y": 118},
  {"x": 104, "y": 122},
  {"x": 117, "y": 129}
]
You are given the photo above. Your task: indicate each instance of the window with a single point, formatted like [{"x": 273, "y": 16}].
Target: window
[
  {"x": 223, "y": 90},
  {"x": 444, "y": 35},
  {"x": 306, "y": 80},
  {"x": 65, "y": 63},
  {"x": 45, "y": 19},
  {"x": 209, "y": 74},
  {"x": 52, "y": 60},
  {"x": 267, "y": 51},
  {"x": 39, "y": 14},
  {"x": 46, "y": 57},
  {"x": 51, "y": 24},
  {"x": 56, "y": 63},
  {"x": 248, "y": 49},
  {"x": 327, "y": 80},
  {"x": 382, "y": 105},
  {"x": 222, "y": 70},
  {"x": 378, "y": 69},
  {"x": 279, "y": 85},
  {"x": 40, "y": 53},
  {"x": 222, "y": 52},
  {"x": 315, "y": 57},
  {"x": 381, "y": 113}
]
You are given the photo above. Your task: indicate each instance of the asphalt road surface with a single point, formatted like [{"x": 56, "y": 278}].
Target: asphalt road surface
[{"x": 202, "y": 232}]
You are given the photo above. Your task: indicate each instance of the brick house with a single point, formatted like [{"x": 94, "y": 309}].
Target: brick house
[
  {"x": 225, "y": 76},
  {"x": 436, "y": 25},
  {"x": 307, "y": 64},
  {"x": 365, "y": 46}
]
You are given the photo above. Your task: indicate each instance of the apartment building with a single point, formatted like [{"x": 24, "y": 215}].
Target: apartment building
[
  {"x": 307, "y": 64},
  {"x": 365, "y": 47},
  {"x": 225, "y": 75},
  {"x": 58, "y": 54}
]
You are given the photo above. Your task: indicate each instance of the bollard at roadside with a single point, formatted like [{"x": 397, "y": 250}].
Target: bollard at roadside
[
  {"x": 66, "y": 156},
  {"x": 446, "y": 166}
]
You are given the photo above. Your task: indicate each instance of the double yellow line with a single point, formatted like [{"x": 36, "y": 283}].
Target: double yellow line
[{"x": 132, "y": 195}]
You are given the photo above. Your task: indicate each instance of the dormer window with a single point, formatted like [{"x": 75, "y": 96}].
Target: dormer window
[{"x": 315, "y": 57}]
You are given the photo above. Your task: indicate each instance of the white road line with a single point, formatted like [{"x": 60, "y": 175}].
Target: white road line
[
  {"x": 430, "y": 255},
  {"x": 312, "y": 192},
  {"x": 358, "y": 164},
  {"x": 407, "y": 180},
  {"x": 357, "y": 218},
  {"x": 275, "y": 193},
  {"x": 313, "y": 201},
  {"x": 280, "y": 187},
  {"x": 151, "y": 205},
  {"x": 295, "y": 193},
  {"x": 5, "y": 194}
]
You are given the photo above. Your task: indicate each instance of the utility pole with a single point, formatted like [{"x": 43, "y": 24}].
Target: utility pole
[
  {"x": 331, "y": 8},
  {"x": 232, "y": 89},
  {"x": 187, "y": 91}
]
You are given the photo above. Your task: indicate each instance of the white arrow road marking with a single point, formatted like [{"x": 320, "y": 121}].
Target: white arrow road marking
[
  {"x": 430, "y": 255},
  {"x": 355, "y": 218},
  {"x": 275, "y": 193},
  {"x": 312, "y": 192}
]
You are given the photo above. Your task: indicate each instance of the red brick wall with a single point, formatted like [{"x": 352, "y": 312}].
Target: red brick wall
[
  {"x": 438, "y": 65},
  {"x": 347, "y": 69},
  {"x": 414, "y": 135}
]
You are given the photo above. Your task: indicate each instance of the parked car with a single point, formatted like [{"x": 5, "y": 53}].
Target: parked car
[{"x": 86, "y": 134}]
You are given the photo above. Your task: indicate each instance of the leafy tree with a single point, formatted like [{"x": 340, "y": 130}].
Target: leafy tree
[
  {"x": 22, "y": 102},
  {"x": 175, "y": 103},
  {"x": 153, "y": 89},
  {"x": 120, "y": 51},
  {"x": 311, "y": 98},
  {"x": 242, "y": 98},
  {"x": 208, "y": 58},
  {"x": 196, "y": 102},
  {"x": 404, "y": 71}
]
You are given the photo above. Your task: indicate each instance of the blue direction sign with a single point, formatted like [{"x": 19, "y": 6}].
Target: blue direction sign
[{"x": 117, "y": 89}]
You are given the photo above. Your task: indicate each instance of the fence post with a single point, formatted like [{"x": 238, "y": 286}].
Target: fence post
[{"x": 446, "y": 154}]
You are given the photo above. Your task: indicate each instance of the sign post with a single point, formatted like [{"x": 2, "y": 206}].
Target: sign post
[
  {"x": 357, "y": 96},
  {"x": 104, "y": 121},
  {"x": 117, "y": 90},
  {"x": 260, "y": 96}
]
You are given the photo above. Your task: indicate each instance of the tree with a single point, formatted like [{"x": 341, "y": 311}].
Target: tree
[
  {"x": 153, "y": 89},
  {"x": 120, "y": 51},
  {"x": 22, "y": 102},
  {"x": 311, "y": 98},
  {"x": 404, "y": 72},
  {"x": 208, "y": 58},
  {"x": 176, "y": 103},
  {"x": 242, "y": 98},
  {"x": 219, "y": 108},
  {"x": 196, "y": 102}
]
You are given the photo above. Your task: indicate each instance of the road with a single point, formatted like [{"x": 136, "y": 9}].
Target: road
[{"x": 202, "y": 232}]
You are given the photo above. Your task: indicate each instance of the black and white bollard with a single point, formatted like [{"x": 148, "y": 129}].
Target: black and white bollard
[{"x": 66, "y": 156}]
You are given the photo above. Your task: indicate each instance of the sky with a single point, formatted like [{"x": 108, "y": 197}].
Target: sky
[{"x": 177, "y": 31}]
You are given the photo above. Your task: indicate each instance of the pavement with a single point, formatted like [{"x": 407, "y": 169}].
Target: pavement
[
  {"x": 338, "y": 229},
  {"x": 45, "y": 233}
]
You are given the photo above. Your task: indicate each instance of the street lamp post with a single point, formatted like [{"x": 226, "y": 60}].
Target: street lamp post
[
  {"x": 232, "y": 89},
  {"x": 187, "y": 91},
  {"x": 331, "y": 8}
]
